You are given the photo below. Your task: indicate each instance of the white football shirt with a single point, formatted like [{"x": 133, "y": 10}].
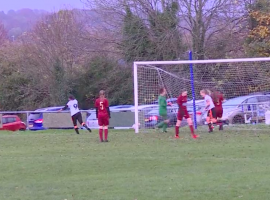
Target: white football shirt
[
  {"x": 73, "y": 106},
  {"x": 208, "y": 98}
]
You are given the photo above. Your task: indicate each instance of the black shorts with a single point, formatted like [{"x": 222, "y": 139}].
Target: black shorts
[
  {"x": 212, "y": 113},
  {"x": 77, "y": 117}
]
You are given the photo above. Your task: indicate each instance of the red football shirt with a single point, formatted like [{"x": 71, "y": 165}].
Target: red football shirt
[
  {"x": 102, "y": 105},
  {"x": 218, "y": 100},
  {"x": 181, "y": 101}
]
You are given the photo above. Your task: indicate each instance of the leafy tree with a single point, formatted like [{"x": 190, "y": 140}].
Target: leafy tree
[
  {"x": 3, "y": 34},
  {"x": 12, "y": 89},
  {"x": 206, "y": 19},
  {"x": 61, "y": 84},
  {"x": 161, "y": 40},
  {"x": 135, "y": 44},
  {"x": 166, "y": 37},
  {"x": 258, "y": 41},
  {"x": 102, "y": 73}
]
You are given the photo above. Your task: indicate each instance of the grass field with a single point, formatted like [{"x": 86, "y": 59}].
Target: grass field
[{"x": 59, "y": 165}]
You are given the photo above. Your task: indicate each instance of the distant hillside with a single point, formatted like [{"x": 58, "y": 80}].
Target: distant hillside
[{"x": 17, "y": 22}]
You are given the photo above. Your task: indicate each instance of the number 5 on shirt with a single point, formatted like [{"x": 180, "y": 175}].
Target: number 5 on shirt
[{"x": 101, "y": 105}]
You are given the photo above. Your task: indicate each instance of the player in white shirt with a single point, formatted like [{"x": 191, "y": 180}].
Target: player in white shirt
[
  {"x": 210, "y": 108},
  {"x": 75, "y": 113}
]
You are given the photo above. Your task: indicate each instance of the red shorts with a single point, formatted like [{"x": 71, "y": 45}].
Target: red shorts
[
  {"x": 182, "y": 114},
  {"x": 219, "y": 112},
  {"x": 103, "y": 120}
]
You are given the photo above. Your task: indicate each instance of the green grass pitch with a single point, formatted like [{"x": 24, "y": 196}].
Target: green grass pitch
[{"x": 59, "y": 165}]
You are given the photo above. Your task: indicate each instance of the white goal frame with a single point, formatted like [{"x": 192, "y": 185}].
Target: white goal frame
[{"x": 136, "y": 64}]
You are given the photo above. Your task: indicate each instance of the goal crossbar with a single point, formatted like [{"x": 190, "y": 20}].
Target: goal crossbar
[{"x": 201, "y": 61}]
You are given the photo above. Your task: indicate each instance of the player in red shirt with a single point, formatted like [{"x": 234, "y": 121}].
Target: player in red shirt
[
  {"x": 218, "y": 100},
  {"x": 103, "y": 115},
  {"x": 183, "y": 113}
]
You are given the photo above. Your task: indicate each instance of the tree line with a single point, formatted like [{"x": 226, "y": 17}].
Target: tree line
[{"x": 82, "y": 51}]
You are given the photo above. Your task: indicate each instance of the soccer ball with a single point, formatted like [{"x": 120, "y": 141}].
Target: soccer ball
[{"x": 134, "y": 126}]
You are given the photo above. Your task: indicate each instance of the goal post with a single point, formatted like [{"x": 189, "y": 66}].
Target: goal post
[
  {"x": 235, "y": 77},
  {"x": 136, "y": 99},
  {"x": 193, "y": 90}
]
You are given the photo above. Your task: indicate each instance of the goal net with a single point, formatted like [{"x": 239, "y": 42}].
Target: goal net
[{"x": 245, "y": 84}]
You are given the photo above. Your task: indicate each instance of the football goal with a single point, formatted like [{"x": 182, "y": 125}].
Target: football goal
[{"x": 237, "y": 79}]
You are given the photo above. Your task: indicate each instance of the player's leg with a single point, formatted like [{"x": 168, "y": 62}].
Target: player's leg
[
  {"x": 160, "y": 125},
  {"x": 100, "y": 123},
  {"x": 82, "y": 123},
  {"x": 106, "y": 130},
  {"x": 213, "y": 119},
  {"x": 74, "y": 121},
  {"x": 165, "y": 125},
  {"x": 101, "y": 133},
  {"x": 213, "y": 115},
  {"x": 178, "y": 123},
  {"x": 219, "y": 113},
  {"x": 106, "y": 133},
  {"x": 190, "y": 124},
  {"x": 177, "y": 126},
  {"x": 220, "y": 124},
  {"x": 208, "y": 120}
]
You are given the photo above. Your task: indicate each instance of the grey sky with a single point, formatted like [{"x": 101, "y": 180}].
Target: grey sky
[{"x": 49, "y": 5}]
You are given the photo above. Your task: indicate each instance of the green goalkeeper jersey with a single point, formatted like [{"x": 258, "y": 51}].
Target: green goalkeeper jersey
[{"x": 162, "y": 105}]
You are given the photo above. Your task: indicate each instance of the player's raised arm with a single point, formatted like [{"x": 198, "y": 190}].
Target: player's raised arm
[{"x": 64, "y": 108}]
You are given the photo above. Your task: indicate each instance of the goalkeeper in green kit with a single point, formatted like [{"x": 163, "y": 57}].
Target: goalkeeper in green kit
[{"x": 162, "y": 103}]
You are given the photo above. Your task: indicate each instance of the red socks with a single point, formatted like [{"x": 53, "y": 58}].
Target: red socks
[
  {"x": 191, "y": 130},
  {"x": 106, "y": 134},
  {"x": 101, "y": 134},
  {"x": 177, "y": 130}
]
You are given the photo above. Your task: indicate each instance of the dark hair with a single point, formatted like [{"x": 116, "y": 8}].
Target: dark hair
[
  {"x": 215, "y": 95},
  {"x": 161, "y": 90},
  {"x": 71, "y": 97},
  {"x": 218, "y": 89}
]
